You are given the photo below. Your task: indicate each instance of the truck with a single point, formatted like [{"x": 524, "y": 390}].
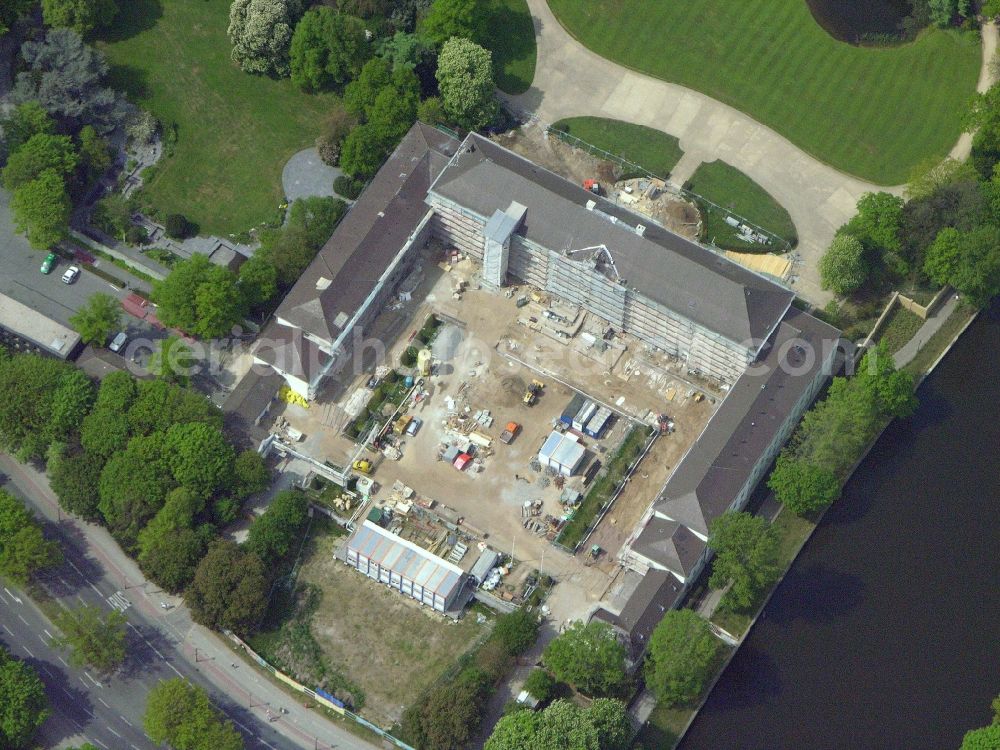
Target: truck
[
  {"x": 510, "y": 432},
  {"x": 400, "y": 425},
  {"x": 532, "y": 391}
]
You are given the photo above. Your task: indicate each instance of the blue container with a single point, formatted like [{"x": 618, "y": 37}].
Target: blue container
[{"x": 408, "y": 382}]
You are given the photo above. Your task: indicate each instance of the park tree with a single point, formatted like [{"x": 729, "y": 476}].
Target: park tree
[
  {"x": 516, "y": 632},
  {"x": 200, "y": 298},
  {"x": 448, "y": 19},
  {"x": 363, "y": 152},
  {"x": 229, "y": 589},
  {"x": 746, "y": 556},
  {"x": 41, "y": 210},
  {"x": 250, "y": 474},
  {"x": 104, "y": 433},
  {"x": 890, "y": 389},
  {"x": 604, "y": 725},
  {"x": 75, "y": 478},
  {"x": 395, "y": 110},
  {"x": 133, "y": 487},
  {"x": 447, "y": 717},
  {"x": 173, "y": 361},
  {"x": 932, "y": 174},
  {"x": 517, "y": 730},
  {"x": 273, "y": 534},
  {"x": 878, "y": 221},
  {"x": 171, "y": 561},
  {"x": 23, "y": 705},
  {"x": 336, "y": 127},
  {"x": 682, "y": 657},
  {"x": 112, "y": 214},
  {"x": 181, "y": 715},
  {"x": 969, "y": 261},
  {"x": 431, "y": 111},
  {"x": 66, "y": 77},
  {"x": 843, "y": 267},
  {"x": 83, "y": 16},
  {"x": 404, "y": 50},
  {"x": 943, "y": 256},
  {"x": 98, "y": 319},
  {"x": 23, "y": 547},
  {"x": 30, "y": 383},
  {"x": 199, "y": 456},
  {"x": 986, "y": 738},
  {"x": 327, "y": 49},
  {"x": 465, "y": 77},
  {"x": 92, "y": 638},
  {"x": 803, "y": 487},
  {"x": 70, "y": 404},
  {"x": 540, "y": 684},
  {"x": 258, "y": 280},
  {"x": 26, "y": 120},
  {"x": 160, "y": 405},
  {"x": 587, "y": 656},
  {"x": 261, "y": 34},
  {"x": 610, "y": 719},
  {"x": 359, "y": 95},
  {"x": 95, "y": 154},
  {"x": 40, "y": 153},
  {"x": 962, "y": 205}
]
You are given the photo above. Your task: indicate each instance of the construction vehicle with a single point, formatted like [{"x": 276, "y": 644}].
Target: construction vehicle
[
  {"x": 424, "y": 362},
  {"x": 531, "y": 393},
  {"x": 511, "y": 432},
  {"x": 362, "y": 466},
  {"x": 400, "y": 425},
  {"x": 592, "y": 185}
]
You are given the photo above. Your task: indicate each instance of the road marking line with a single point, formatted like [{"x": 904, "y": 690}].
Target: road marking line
[
  {"x": 97, "y": 590},
  {"x": 11, "y": 595},
  {"x": 101, "y": 744},
  {"x": 104, "y": 703},
  {"x": 82, "y": 600},
  {"x": 74, "y": 566},
  {"x": 125, "y": 720},
  {"x": 4, "y": 600},
  {"x": 63, "y": 661},
  {"x": 244, "y": 727},
  {"x": 23, "y": 620},
  {"x": 114, "y": 733},
  {"x": 68, "y": 693},
  {"x": 155, "y": 651},
  {"x": 42, "y": 639},
  {"x": 63, "y": 582},
  {"x": 29, "y": 651},
  {"x": 134, "y": 747},
  {"x": 174, "y": 668},
  {"x": 8, "y": 630},
  {"x": 93, "y": 680},
  {"x": 47, "y": 632},
  {"x": 85, "y": 683}
]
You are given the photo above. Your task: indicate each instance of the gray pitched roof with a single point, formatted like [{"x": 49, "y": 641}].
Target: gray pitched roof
[
  {"x": 656, "y": 594},
  {"x": 680, "y": 274},
  {"x": 364, "y": 243},
  {"x": 718, "y": 465},
  {"x": 671, "y": 544}
]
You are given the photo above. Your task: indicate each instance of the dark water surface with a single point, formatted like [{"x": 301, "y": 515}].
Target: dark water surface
[
  {"x": 886, "y": 631},
  {"x": 850, "y": 20}
]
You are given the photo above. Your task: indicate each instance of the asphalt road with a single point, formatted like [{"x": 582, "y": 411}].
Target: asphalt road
[
  {"x": 22, "y": 280},
  {"x": 162, "y": 644}
]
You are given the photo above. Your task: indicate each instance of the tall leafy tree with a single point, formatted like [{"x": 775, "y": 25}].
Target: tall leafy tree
[
  {"x": 41, "y": 210},
  {"x": 273, "y": 534},
  {"x": 95, "y": 154},
  {"x": 83, "y": 16},
  {"x": 804, "y": 488},
  {"x": 588, "y": 656},
  {"x": 327, "y": 49},
  {"x": 75, "y": 478},
  {"x": 261, "y": 34},
  {"x": 98, "y": 319},
  {"x": 11, "y": 11},
  {"x": 181, "y": 715},
  {"x": 23, "y": 705},
  {"x": 133, "y": 487},
  {"x": 465, "y": 77},
  {"x": 173, "y": 361},
  {"x": 67, "y": 78},
  {"x": 199, "y": 456},
  {"x": 200, "y": 298},
  {"x": 746, "y": 556},
  {"x": 23, "y": 547},
  {"x": 229, "y": 589},
  {"x": 968, "y": 261},
  {"x": 71, "y": 403},
  {"x": 682, "y": 657},
  {"x": 250, "y": 474},
  {"x": 454, "y": 18},
  {"x": 25, "y": 121},
  {"x": 844, "y": 267},
  {"x": 878, "y": 220},
  {"x": 40, "y": 153},
  {"x": 93, "y": 638},
  {"x": 359, "y": 95}
]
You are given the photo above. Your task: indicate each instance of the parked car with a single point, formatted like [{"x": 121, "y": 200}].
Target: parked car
[
  {"x": 71, "y": 273},
  {"x": 118, "y": 342},
  {"x": 414, "y": 426},
  {"x": 49, "y": 263}
]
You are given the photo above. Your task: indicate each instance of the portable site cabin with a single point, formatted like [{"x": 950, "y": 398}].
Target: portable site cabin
[
  {"x": 598, "y": 423},
  {"x": 562, "y": 452},
  {"x": 584, "y": 416},
  {"x": 572, "y": 409},
  {"x": 486, "y": 562}
]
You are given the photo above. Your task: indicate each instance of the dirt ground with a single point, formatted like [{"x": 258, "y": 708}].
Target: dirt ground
[
  {"x": 577, "y": 165},
  {"x": 387, "y": 644}
]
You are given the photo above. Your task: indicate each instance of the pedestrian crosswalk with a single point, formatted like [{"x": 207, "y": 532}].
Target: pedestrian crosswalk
[{"x": 118, "y": 601}]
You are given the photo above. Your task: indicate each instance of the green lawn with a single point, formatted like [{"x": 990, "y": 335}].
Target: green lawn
[
  {"x": 511, "y": 39},
  {"x": 663, "y": 728},
  {"x": 651, "y": 149},
  {"x": 730, "y": 189},
  {"x": 901, "y": 326},
  {"x": 873, "y": 112},
  {"x": 234, "y": 131}
]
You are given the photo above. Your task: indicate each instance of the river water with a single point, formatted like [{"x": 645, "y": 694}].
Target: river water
[{"x": 886, "y": 631}]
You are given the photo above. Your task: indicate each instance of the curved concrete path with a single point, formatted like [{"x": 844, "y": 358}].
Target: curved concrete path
[
  {"x": 570, "y": 80},
  {"x": 306, "y": 175}
]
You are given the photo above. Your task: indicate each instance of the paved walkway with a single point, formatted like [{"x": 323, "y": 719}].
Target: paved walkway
[
  {"x": 928, "y": 329},
  {"x": 570, "y": 80},
  {"x": 306, "y": 175},
  {"x": 990, "y": 36}
]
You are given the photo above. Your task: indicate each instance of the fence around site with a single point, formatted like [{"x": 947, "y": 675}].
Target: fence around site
[{"x": 322, "y": 698}]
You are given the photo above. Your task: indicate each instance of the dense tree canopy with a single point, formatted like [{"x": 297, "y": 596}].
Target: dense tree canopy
[
  {"x": 261, "y": 34},
  {"x": 454, "y": 18},
  {"x": 803, "y": 487},
  {"x": 465, "y": 77},
  {"x": 98, "y": 319},
  {"x": 25, "y": 121},
  {"x": 273, "y": 534},
  {"x": 23, "y": 706},
  {"x": 564, "y": 726},
  {"x": 75, "y": 477},
  {"x": 83, "y": 16},
  {"x": 200, "y": 298},
  {"x": 93, "y": 638},
  {"x": 23, "y": 548},
  {"x": 327, "y": 49},
  {"x": 587, "y": 656},
  {"x": 229, "y": 589},
  {"x": 133, "y": 487},
  {"x": 682, "y": 657},
  {"x": 181, "y": 715},
  {"x": 40, "y": 153},
  {"x": 41, "y": 210},
  {"x": 844, "y": 267},
  {"x": 746, "y": 556},
  {"x": 969, "y": 261}
]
